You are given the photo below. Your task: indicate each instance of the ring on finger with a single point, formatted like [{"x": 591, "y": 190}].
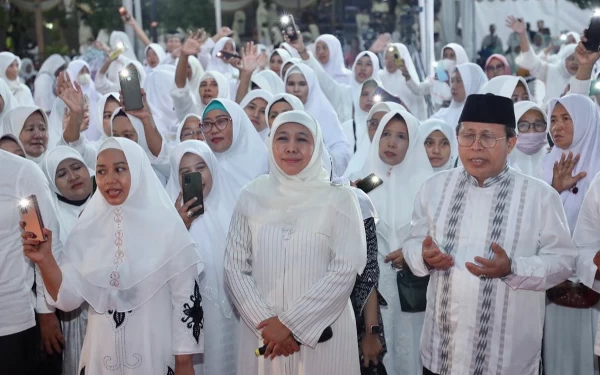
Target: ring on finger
[{"x": 190, "y": 214}]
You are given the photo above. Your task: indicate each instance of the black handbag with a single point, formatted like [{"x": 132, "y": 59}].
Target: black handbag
[
  {"x": 412, "y": 290},
  {"x": 373, "y": 369}
]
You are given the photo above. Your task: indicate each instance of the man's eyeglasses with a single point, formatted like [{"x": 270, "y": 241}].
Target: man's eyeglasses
[{"x": 485, "y": 140}]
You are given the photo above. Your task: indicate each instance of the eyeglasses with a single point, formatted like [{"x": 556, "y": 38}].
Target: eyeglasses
[
  {"x": 524, "y": 126},
  {"x": 191, "y": 133},
  {"x": 494, "y": 68},
  {"x": 373, "y": 123},
  {"x": 485, "y": 140},
  {"x": 220, "y": 124}
]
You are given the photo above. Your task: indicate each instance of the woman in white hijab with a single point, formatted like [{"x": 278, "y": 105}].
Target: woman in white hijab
[
  {"x": 44, "y": 86},
  {"x": 393, "y": 80},
  {"x": 7, "y": 100},
  {"x": 190, "y": 128},
  {"x": 211, "y": 85},
  {"x": 331, "y": 57},
  {"x": 220, "y": 350},
  {"x": 28, "y": 126},
  {"x": 295, "y": 215},
  {"x": 71, "y": 185},
  {"x": 107, "y": 78},
  {"x": 398, "y": 157},
  {"x": 277, "y": 58},
  {"x": 466, "y": 79},
  {"x": 134, "y": 299},
  {"x": 532, "y": 143},
  {"x": 254, "y": 104},
  {"x": 234, "y": 140},
  {"x": 10, "y": 66},
  {"x": 79, "y": 71},
  {"x": 574, "y": 130},
  {"x": 220, "y": 64},
  {"x": 268, "y": 80},
  {"x": 511, "y": 87},
  {"x": 302, "y": 82},
  {"x": 356, "y": 129},
  {"x": 27, "y": 70},
  {"x": 440, "y": 144},
  {"x": 378, "y": 110},
  {"x": 274, "y": 108},
  {"x": 154, "y": 56},
  {"x": 158, "y": 87}
]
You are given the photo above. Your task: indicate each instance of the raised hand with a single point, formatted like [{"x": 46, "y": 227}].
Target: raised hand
[
  {"x": 144, "y": 114},
  {"x": 298, "y": 44},
  {"x": 434, "y": 258},
  {"x": 517, "y": 25},
  {"x": 497, "y": 267},
  {"x": 225, "y": 31},
  {"x": 193, "y": 43},
  {"x": 380, "y": 44},
  {"x": 71, "y": 94},
  {"x": 585, "y": 57},
  {"x": 249, "y": 61},
  {"x": 562, "y": 177}
]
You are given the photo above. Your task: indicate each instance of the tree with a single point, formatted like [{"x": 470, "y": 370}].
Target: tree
[{"x": 187, "y": 14}]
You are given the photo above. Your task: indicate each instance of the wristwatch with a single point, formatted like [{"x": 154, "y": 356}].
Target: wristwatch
[{"x": 374, "y": 330}]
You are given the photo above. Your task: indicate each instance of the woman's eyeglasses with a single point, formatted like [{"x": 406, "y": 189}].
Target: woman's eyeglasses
[
  {"x": 220, "y": 124},
  {"x": 538, "y": 126},
  {"x": 494, "y": 68}
]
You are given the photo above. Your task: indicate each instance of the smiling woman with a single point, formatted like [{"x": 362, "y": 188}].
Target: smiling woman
[{"x": 29, "y": 127}]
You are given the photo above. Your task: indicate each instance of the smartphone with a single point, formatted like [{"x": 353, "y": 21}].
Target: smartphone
[
  {"x": 129, "y": 80},
  {"x": 369, "y": 183},
  {"x": 228, "y": 55},
  {"x": 192, "y": 188},
  {"x": 124, "y": 13},
  {"x": 30, "y": 214},
  {"x": 381, "y": 95},
  {"x": 441, "y": 73},
  {"x": 288, "y": 26},
  {"x": 593, "y": 34},
  {"x": 396, "y": 55}
]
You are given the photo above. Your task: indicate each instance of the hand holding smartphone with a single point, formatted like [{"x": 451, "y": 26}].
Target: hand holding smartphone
[
  {"x": 369, "y": 183},
  {"x": 32, "y": 218},
  {"x": 124, "y": 14},
  {"x": 592, "y": 43},
  {"x": 288, "y": 27},
  {"x": 227, "y": 55},
  {"x": 396, "y": 55},
  {"x": 192, "y": 188},
  {"x": 131, "y": 90}
]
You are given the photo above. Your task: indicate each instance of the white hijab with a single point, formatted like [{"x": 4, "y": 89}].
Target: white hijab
[
  {"x": 52, "y": 64},
  {"x": 119, "y": 274},
  {"x": 318, "y": 106},
  {"x": 360, "y": 116},
  {"x": 395, "y": 83},
  {"x": 182, "y": 124},
  {"x": 278, "y": 197},
  {"x": 66, "y": 213},
  {"x": 269, "y": 80},
  {"x": 356, "y": 86},
  {"x": 362, "y": 150},
  {"x": 246, "y": 158},
  {"x": 218, "y": 208},
  {"x": 284, "y": 54},
  {"x": 218, "y": 65},
  {"x": 431, "y": 125},
  {"x": 100, "y": 111},
  {"x": 23, "y": 72},
  {"x": 527, "y": 164},
  {"x": 160, "y": 52},
  {"x": 222, "y": 83},
  {"x": 14, "y": 121},
  {"x": 89, "y": 90},
  {"x": 395, "y": 198},
  {"x": 459, "y": 52},
  {"x": 586, "y": 143},
  {"x": 335, "y": 67},
  {"x": 158, "y": 86},
  {"x": 9, "y": 100},
  {"x": 262, "y": 94},
  {"x": 290, "y": 50},
  {"x": 6, "y": 59},
  {"x": 504, "y": 86},
  {"x": 473, "y": 78}
]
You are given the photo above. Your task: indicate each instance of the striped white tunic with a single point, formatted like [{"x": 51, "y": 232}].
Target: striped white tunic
[
  {"x": 491, "y": 326},
  {"x": 298, "y": 269}
]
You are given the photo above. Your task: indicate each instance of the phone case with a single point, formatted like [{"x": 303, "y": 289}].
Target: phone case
[
  {"x": 192, "y": 188},
  {"x": 131, "y": 89},
  {"x": 290, "y": 29},
  {"x": 30, "y": 214},
  {"x": 369, "y": 183},
  {"x": 593, "y": 35}
]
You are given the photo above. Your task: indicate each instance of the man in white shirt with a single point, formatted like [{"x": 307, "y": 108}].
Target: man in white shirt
[
  {"x": 493, "y": 240},
  {"x": 19, "y": 336}
]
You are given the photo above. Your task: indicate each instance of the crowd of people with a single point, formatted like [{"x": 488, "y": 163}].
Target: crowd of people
[{"x": 348, "y": 221}]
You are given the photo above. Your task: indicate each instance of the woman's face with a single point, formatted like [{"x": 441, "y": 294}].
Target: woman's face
[
  {"x": 457, "y": 87},
  {"x": 390, "y": 63},
  {"x": 10, "y": 145},
  {"x": 152, "y": 58},
  {"x": 373, "y": 124},
  {"x": 112, "y": 176},
  {"x": 122, "y": 127},
  {"x": 297, "y": 86},
  {"x": 561, "y": 127},
  {"x": 572, "y": 64},
  {"x": 293, "y": 146},
  {"x": 12, "y": 72},
  {"x": 366, "y": 97},
  {"x": 322, "y": 52},
  {"x": 256, "y": 111},
  {"x": 277, "y": 109},
  {"x": 219, "y": 140},
  {"x": 394, "y": 142},
  {"x": 228, "y": 47},
  {"x": 363, "y": 69},
  {"x": 520, "y": 93},
  {"x": 209, "y": 89},
  {"x": 531, "y": 117},
  {"x": 34, "y": 135},
  {"x": 72, "y": 179},
  {"x": 438, "y": 149},
  {"x": 191, "y": 130},
  {"x": 191, "y": 163},
  {"x": 449, "y": 54},
  {"x": 109, "y": 108},
  {"x": 275, "y": 63},
  {"x": 495, "y": 68}
]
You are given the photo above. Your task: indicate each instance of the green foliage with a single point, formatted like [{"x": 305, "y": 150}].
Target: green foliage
[
  {"x": 106, "y": 14},
  {"x": 187, "y": 14}
]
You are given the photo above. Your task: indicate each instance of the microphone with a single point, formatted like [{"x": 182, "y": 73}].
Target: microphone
[{"x": 325, "y": 336}]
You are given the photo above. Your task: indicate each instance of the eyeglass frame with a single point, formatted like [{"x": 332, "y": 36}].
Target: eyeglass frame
[
  {"x": 191, "y": 133},
  {"x": 529, "y": 125},
  {"x": 478, "y": 138},
  {"x": 214, "y": 124},
  {"x": 495, "y": 68}
]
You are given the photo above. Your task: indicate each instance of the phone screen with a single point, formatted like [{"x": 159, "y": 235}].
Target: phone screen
[
  {"x": 288, "y": 26},
  {"x": 192, "y": 188},
  {"x": 369, "y": 183}
]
